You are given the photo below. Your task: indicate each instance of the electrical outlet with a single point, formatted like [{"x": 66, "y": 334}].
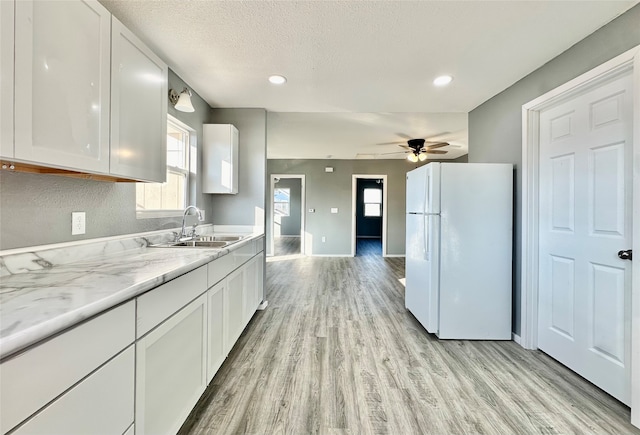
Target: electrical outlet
[
  {"x": 324, "y": 239},
  {"x": 78, "y": 223},
  {"x": 334, "y": 210}
]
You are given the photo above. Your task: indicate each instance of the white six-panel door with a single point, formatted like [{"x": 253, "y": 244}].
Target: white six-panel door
[{"x": 585, "y": 219}]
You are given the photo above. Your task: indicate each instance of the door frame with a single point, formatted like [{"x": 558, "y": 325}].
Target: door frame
[
  {"x": 354, "y": 192},
  {"x": 630, "y": 60},
  {"x": 272, "y": 184}
]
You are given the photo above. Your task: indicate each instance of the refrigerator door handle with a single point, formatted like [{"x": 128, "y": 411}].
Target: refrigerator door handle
[{"x": 426, "y": 239}]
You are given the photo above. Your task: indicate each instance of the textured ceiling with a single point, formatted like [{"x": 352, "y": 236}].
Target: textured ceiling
[{"x": 353, "y": 59}]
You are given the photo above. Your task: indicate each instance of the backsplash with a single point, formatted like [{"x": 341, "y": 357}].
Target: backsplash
[{"x": 23, "y": 260}]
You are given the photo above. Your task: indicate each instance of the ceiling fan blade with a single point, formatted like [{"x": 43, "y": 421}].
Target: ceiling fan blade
[
  {"x": 396, "y": 152},
  {"x": 405, "y": 136},
  {"x": 436, "y": 145},
  {"x": 435, "y": 152},
  {"x": 391, "y": 143}
]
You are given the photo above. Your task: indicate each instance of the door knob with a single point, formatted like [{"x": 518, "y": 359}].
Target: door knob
[{"x": 625, "y": 255}]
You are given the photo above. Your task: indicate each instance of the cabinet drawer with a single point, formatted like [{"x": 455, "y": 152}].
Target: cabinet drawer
[
  {"x": 158, "y": 304},
  {"x": 101, "y": 404},
  {"x": 33, "y": 378},
  {"x": 219, "y": 268},
  {"x": 259, "y": 244},
  {"x": 243, "y": 254}
]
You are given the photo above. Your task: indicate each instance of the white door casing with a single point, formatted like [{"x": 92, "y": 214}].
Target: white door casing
[
  {"x": 530, "y": 205},
  {"x": 585, "y": 219},
  {"x": 354, "y": 193}
]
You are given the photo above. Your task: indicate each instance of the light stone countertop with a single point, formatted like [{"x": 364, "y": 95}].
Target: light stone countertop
[{"x": 35, "y": 305}]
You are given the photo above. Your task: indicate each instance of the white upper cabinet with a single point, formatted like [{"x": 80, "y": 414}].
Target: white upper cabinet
[
  {"x": 220, "y": 154},
  {"x": 138, "y": 108},
  {"x": 61, "y": 83},
  {"x": 6, "y": 78}
]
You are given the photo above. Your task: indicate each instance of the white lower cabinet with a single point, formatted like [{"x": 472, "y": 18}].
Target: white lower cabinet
[
  {"x": 235, "y": 307},
  {"x": 216, "y": 320},
  {"x": 260, "y": 279},
  {"x": 171, "y": 370},
  {"x": 184, "y": 333},
  {"x": 32, "y": 379},
  {"x": 250, "y": 288},
  {"x": 100, "y": 404}
]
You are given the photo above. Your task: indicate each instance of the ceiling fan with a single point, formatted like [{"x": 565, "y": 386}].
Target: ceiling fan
[{"x": 417, "y": 150}]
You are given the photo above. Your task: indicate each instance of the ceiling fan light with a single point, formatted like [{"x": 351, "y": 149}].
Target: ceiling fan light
[
  {"x": 422, "y": 157},
  {"x": 412, "y": 157}
]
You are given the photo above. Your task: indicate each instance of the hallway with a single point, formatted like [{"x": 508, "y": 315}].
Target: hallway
[{"x": 335, "y": 352}]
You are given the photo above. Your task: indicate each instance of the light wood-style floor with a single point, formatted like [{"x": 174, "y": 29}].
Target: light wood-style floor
[
  {"x": 286, "y": 246},
  {"x": 368, "y": 247},
  {"x": 335, "y": 352}
]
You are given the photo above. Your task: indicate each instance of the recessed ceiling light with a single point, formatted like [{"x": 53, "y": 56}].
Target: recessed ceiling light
[
  {"x": 277, "y": 80},
  {"x": 442, "y": 80}
]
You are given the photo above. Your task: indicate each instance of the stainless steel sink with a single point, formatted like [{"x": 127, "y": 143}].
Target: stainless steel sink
[
  {"x": 211, "y": 242},
  {"x": 202, "y": 244},
  {"x": 220, "y": 238}
]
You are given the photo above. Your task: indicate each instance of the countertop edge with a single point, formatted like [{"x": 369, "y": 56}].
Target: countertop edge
[{"x": 23, "y": 340}]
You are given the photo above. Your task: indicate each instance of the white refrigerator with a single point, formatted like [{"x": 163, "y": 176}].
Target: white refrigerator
[{"x": 458, "y": 249}]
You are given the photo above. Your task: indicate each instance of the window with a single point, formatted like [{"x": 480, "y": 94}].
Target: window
[
  {"x": 281, "y": 202},
  {"x": 168, "y": 198},
  {"x": 373, "y": 202}
]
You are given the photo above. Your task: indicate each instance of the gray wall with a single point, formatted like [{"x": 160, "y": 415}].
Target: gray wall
[
  {"x": 290, "y": 225},
  {"x": 325, "y": 190},
  {"x": 35, "y": 209},
  {"x": 252, "y": 154},
  {"x": 495, "y": 127}
]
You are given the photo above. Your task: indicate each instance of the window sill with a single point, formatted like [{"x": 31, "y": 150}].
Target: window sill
[{"x": 155, "y": 214}]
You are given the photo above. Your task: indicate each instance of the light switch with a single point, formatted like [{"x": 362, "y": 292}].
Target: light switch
[{"x": 334, "y": 209}]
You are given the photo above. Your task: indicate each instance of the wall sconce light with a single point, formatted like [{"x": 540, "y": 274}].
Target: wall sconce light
[{"x": 182, "y": 101}]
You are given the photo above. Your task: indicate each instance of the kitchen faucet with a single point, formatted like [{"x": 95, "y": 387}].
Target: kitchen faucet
[{"x": 183, "y": 232}]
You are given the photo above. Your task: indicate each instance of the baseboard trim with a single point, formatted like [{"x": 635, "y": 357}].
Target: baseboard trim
[
  {"x": 515, "y": 337},
  {"x": 331, "y": 255},
  {"x": 394, "y": 255}
]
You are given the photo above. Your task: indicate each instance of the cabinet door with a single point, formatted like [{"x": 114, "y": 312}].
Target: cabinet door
[
  {"x": 216, "y": 319},
  {"x": 171, "y": 370},
  {"x": 235, "y": 307},
  {"x": 62, "y": 64},
  {"x": 100, "y": 404},
  {"x": 220, "y": 155},
  {"x": 138, "y": 108},
  {"x": 6, "y": 78},
  {"x": 260, "y": 279},
  {"x": 250, "y": 271}
]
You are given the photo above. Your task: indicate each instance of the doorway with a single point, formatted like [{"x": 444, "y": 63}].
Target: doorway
[
  {"x": 580, "y": 194},
  {"x": 287, "y": 215},
  {"x": 369, "y": 215}
]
